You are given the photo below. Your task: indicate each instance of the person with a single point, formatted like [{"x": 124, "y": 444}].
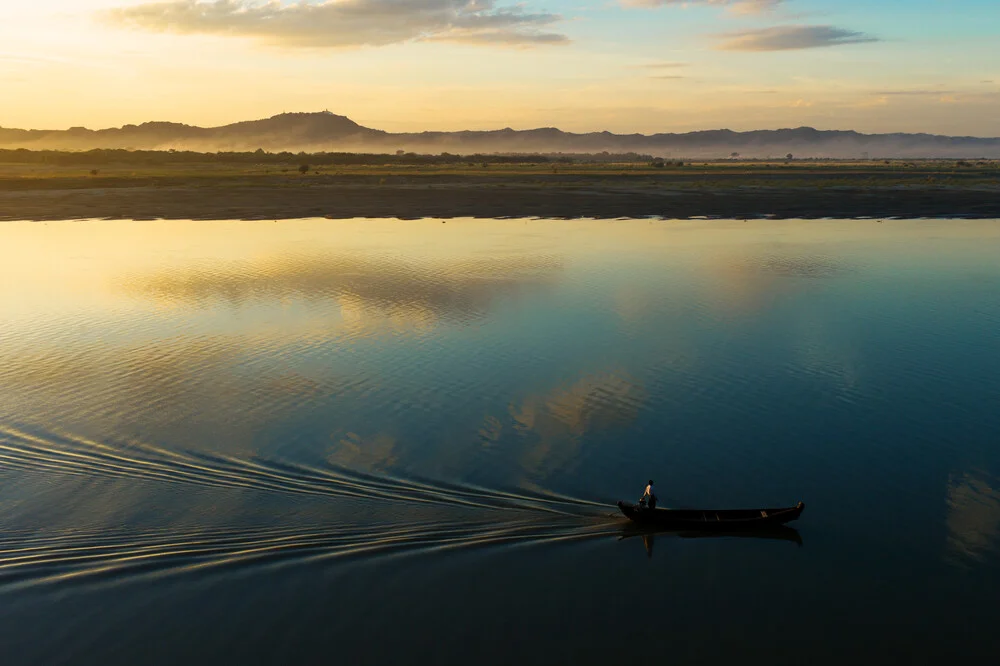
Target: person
[{"x": 648, "y": 496}]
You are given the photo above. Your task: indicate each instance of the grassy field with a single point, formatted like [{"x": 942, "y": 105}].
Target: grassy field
[
  {"x": 724, "y": 189},
  {"x": 985, "y": 168}
]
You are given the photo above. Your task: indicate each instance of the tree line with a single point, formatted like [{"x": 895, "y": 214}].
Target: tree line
[{"x": 261, "y": 157}]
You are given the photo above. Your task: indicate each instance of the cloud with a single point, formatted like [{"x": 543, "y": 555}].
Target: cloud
[
  {"x": 345, "y": 23},
  {"x": 662, "y": 65},
  {"x": 915, "y": 92},
  {"x": 789, "y": 37},
  {"x": 23, "y": 59},
  {"x": 661, "y": 70},
  {"x": 754, "y": 6},
  {"x": 735, "y": 6}
]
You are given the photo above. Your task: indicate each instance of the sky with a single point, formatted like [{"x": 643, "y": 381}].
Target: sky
[{"x": 410, "y": 65}]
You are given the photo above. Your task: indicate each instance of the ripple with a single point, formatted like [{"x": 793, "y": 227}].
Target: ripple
[
  {"x": 63, "y": 453},
  {"x": 105, "y": 556},
  {"x": 800, "y": 266},
  {"x": 417, "y": 292},
  {"x": 74, "y": 558}
]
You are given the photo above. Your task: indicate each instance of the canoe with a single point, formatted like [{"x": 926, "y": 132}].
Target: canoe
[{"x": 710, "y": 519}]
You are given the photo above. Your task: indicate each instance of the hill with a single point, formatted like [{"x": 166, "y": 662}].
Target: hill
[{"x": 325, "y": 131}]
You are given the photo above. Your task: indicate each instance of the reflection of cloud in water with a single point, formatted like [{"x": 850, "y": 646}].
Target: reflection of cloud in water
[
  {"x": 973, "y": 517},
  {"x": 389, "y": 286},
  {"x": 246, "y": 365},
  {"x": 748, "y": 284},
  {"x": 370, "y": 454},
  {"x": 797, "y": 266},
  {"x": 559, "y": 419},
  {"x": 183, "y": 383},
  {"x": 491, "y": 431}
]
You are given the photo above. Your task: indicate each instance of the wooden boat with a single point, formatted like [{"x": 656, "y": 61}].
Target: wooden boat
[{"x": 701, "y": 520}]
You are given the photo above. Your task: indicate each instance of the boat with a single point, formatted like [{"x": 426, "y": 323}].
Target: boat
[{"x": 702, "y": 520}]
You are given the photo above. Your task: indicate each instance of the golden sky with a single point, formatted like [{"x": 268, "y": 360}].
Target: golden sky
[{"x": 403, "y": 65}]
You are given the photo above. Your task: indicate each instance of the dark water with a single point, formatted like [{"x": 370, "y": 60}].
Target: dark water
[{"x": 377, "y": 442}]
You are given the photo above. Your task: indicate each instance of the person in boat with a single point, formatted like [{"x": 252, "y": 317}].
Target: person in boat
[{"x": 648, "y": 496}]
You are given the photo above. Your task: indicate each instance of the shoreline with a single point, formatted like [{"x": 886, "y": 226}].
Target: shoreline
[{"x": 504, "y": 195}]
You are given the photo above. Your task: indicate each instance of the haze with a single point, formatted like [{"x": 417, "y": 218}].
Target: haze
[{"x": 410, "y": 65}]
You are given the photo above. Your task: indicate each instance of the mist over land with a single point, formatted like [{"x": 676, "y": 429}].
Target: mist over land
[
  {"x": 325, "y": 131},
  {"x": 323, "y": 165}
]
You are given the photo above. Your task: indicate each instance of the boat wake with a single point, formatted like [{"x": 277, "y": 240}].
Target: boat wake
[
  {"x": 63, "y": 453},
  {"x": 103, "y": 558},
  {"x": 439, "y": 516}
]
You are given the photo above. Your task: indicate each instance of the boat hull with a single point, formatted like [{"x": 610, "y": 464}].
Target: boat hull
[{"x": 722, "y": 520}]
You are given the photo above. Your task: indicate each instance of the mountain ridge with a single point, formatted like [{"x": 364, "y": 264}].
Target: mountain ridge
[{"x": 326, "y": 131}]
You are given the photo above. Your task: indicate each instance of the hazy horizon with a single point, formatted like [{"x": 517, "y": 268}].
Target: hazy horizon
[
  {"x": 329, "y": 132},
  {"x": 526, "y": 128},
  {"x": 627, "y": 66}
]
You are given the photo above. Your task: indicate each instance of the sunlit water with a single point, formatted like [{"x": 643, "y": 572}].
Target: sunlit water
[{"x": 382, "y": 441}]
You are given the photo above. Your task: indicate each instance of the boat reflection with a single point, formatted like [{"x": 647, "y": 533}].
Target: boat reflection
[{"x": 649, "y": 534}]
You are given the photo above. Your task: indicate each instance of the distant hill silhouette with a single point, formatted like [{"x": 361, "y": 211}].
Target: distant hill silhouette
[{"x": 324, "y": 131}]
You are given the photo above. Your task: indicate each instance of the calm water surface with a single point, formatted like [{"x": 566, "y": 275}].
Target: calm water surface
[{"x": 379, "y": 441}]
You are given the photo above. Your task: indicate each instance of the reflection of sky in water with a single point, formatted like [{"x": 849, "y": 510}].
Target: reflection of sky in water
[
  {"x": 557, "y": 422},
  {"x": 563, "y": 356},
  {"x": 457, "y": 290},
  {"x": 973, "y": 517},
  {"x": 318, "y": 389}
]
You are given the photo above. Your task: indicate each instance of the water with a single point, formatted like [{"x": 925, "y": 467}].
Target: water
[{"x": 380, "y": 441}]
